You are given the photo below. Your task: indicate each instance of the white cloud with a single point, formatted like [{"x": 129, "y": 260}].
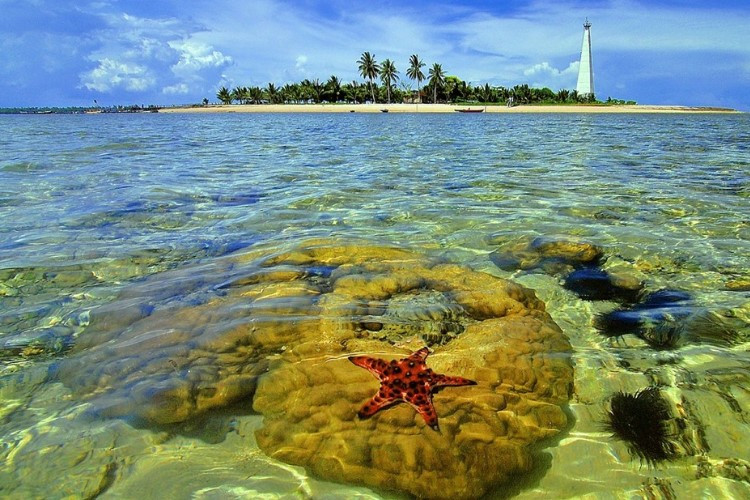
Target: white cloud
[
  {"x": 300, "y": 62},
  {"x": 196, "y": 56},
  {"x": 545, "y": 75},
  {"x": 137, "y": 54},
  {"x": 111, "y": 75},
  {"x": 544, "y": 68},
  {"x": 180, "y": 88}
]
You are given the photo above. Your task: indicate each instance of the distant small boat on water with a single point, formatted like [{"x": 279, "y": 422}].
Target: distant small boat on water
[
  {"x": 469, "y": 110},
  {"x": 383, "y": 110}
]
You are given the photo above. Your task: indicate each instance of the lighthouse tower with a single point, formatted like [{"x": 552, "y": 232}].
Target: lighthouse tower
[{"x": 585, "y": 85}]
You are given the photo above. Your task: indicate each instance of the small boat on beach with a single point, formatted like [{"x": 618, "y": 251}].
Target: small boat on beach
[
  {"x": 383, "y": 110},
  {"x": 469, "y": 110}
]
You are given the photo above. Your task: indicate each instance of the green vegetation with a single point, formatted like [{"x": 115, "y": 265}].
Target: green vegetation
[
  {"x": 437, "y": 80},
  {"x": 369, "y": 69},
  {"x": 388, "y": 74},
  {"x": 439, "y": 88},
  {"x": 415, "y": 72},
  {"x": 617, "y": 102}
]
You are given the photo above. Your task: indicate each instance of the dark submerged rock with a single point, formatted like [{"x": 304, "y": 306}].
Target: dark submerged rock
[
  {"x": 668, "y": 319},
  {"x": 664, "y": 298},
  {"x": 593, "y": 283},
  {"x": 657, "y": 319},
  {"x": 41, "y": 342}
]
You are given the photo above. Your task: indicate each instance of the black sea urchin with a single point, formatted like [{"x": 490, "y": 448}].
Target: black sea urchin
[{"x": 641, "y": 420}]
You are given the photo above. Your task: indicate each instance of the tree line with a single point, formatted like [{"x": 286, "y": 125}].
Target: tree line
[{"x": 438, "y": 87}]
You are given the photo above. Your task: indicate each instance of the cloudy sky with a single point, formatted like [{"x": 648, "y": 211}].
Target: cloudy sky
[{"x": 61, "y": 52}]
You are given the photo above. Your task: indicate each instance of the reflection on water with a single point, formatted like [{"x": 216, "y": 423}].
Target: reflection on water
[{"x": 141, "y": 306}]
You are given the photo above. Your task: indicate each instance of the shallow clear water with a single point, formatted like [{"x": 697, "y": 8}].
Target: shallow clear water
[{"x": 94, "y": 207}]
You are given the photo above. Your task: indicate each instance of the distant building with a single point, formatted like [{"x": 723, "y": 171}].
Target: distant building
[{"x": 585, "y": 85}]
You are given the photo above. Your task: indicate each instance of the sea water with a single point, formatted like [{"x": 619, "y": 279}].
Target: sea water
[{"x": 94, "y": 205}]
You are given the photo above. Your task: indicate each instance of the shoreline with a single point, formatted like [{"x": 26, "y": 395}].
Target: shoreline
[{"x": 438, "y": 108}]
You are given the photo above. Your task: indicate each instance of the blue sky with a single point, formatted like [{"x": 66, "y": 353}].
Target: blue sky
[{"x": 60, "y": 52}]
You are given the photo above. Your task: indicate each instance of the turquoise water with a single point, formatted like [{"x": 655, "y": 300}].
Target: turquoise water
[{"x": 93, "y": 207}]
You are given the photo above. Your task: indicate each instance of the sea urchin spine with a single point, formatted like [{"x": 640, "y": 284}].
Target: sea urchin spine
[{"x": 641, "y": 420}]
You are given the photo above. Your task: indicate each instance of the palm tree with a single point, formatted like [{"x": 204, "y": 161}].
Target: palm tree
[
  {"x": 238, "y": 94},
  {"x": 317, "y": 90},
  {"x": 355, "y": 92},
  {"x": 485, "y": 93},
  {"x": 333, "y": 86},
  {"x": 369, "y": 69},
  {"x": 415, "y": 73},
  {"x": 273, "y": 93},
  {"x": 388, "y": 73},
  {"x": 224, "y": 95},
  {"x": 290, "y": 92},
  {"x": 306, "y": 90},
  {"x": 254, "y": 95},
  {"x": 522, "y": 93},
  {"x": 437, "y": 79}
]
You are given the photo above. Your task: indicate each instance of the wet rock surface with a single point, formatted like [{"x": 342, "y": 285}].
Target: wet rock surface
[
  {"x": 278, "y": 332},
  {"x": 667, "y": 319},
  {"x": 579, "y": 262},
  {"x": 552, "y": 255},
  {"x": 593, "y": 283}
]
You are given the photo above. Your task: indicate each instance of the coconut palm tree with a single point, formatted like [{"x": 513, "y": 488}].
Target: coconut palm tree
[
  {"x": 238, "y": 94},
  {"x": 355, "y": 92},
  {"x": 388, "y": 74},
  {"x": 562, "y": 95},
  {"x": 415, "y": 72},
  {"x": 224, "y": 95},
  {"x": 333, "y": 88},
  {"x": 254, "y": 95},
  {"x": 437, "y": 79},
  {"x": 273, "y": 93},
  {"x": 306, "y": 91},
  {"x": 290, "y": 93},
  {"x": 369, "y": 69},
  {"x": 522, "y": 93},
  {"x": 317, "y": 90},
  {"x": 485, "y": 93}
]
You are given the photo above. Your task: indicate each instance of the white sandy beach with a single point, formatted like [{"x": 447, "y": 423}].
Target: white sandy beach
[{"x": 436, "y": 108}]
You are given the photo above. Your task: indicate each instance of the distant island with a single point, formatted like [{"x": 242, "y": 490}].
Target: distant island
[
  {"x": 438, "y": 88},
  {"x": 440, "y": 108},
  {"x": 440, "y": 93}
]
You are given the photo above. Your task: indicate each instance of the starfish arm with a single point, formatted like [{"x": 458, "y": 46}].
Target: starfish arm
[
  {"x": 373, "y": 365},
  {"x": 420, "y": 355},
  {"x": 423, "y": 405},
  {"x": 375, "y": 404}
]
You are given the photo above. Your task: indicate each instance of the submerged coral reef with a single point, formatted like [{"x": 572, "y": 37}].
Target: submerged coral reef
[{"x": 280, "y": 331}]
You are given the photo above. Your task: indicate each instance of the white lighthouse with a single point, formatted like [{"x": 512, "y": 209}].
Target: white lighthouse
[{"x": 585, "y": 85}]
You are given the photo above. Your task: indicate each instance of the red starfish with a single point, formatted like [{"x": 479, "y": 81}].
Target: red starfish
[{"x": 409, "y": 380}]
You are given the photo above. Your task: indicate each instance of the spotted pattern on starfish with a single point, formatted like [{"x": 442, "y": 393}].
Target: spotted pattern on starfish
[{"x": 408, "y": 379}]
